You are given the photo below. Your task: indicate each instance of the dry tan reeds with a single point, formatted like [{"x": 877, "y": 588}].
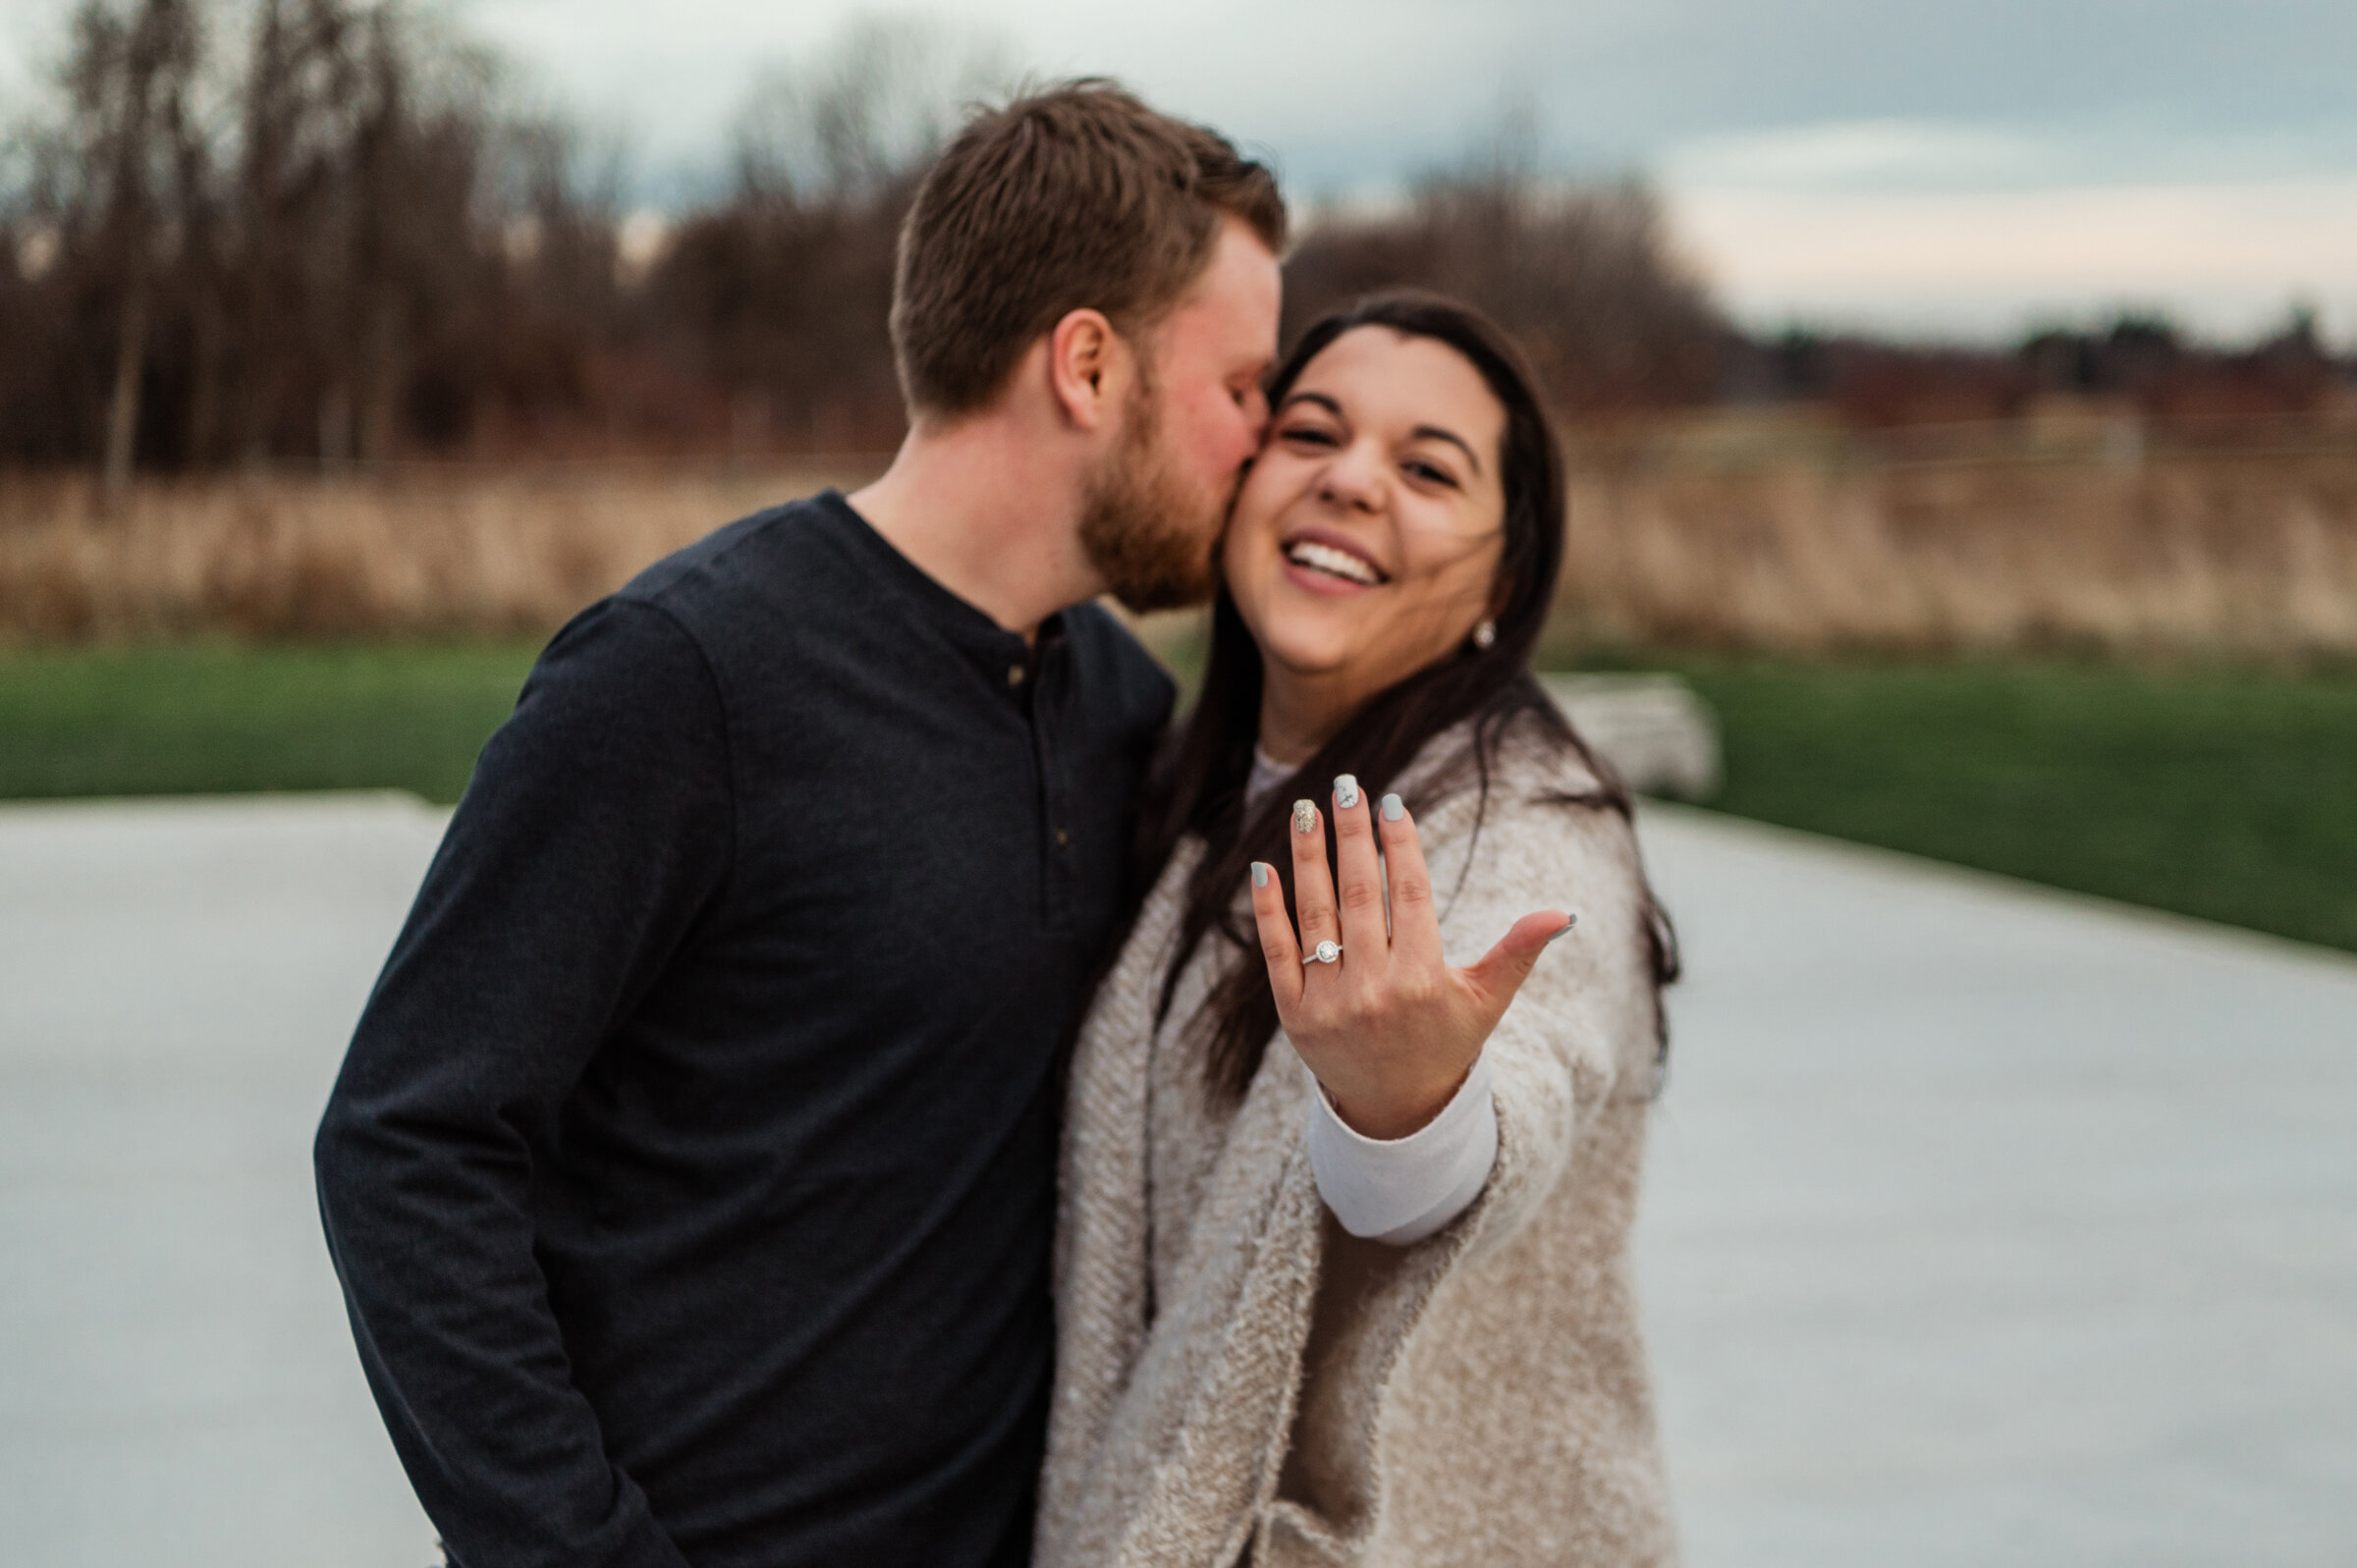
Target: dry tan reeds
[
  {"x": 432, "y": 552},
  {"x": 2195, "y": 553},
  {"x": 2191, "y": 553}
]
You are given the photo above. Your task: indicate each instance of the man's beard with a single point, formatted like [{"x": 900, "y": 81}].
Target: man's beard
[{"x": 1147, "y": 531}]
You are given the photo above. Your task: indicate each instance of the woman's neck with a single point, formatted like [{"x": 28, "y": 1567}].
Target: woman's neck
[{"x": 1298, "y": 715}]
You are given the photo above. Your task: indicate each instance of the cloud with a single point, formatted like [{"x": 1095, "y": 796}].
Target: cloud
[
  {"x": 1352, "y": 90},
  {"x": 1857, "y": 154},
  {"x": 2226, "y": 258},
  {"x": 1679, "y": 69}
]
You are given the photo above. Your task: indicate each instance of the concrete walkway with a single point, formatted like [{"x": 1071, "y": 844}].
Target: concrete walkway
[
  {"x": 1985, "y": 1225},
  {"x": 1990, "y": 1225}
]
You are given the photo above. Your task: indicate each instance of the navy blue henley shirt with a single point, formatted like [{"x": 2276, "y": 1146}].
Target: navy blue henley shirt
[{"x": 691, "y": 1176}]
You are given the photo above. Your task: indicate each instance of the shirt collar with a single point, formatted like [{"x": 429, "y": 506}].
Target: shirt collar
[{"x": 1004, "y": 656}]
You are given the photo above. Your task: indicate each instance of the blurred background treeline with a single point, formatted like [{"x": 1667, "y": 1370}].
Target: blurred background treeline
[
  {"x": 326, "y": 231},
  {"x": 305, "y": 307},
  {"x": 336, "y": 368}
]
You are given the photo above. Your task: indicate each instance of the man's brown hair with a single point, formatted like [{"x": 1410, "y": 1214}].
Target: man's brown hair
[{"x": 1075, "y": 197}]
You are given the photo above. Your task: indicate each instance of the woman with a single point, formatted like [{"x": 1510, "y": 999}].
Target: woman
[{"x": 1342, "y": 1267}]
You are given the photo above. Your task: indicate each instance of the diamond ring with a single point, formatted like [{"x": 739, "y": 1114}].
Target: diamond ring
[{"x": 1323, "y": 953}]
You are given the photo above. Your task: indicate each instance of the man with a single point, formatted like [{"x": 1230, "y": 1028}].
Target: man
[{"x": 690, "y": 1176}]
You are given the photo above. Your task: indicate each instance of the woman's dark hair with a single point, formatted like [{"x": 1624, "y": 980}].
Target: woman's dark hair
[{"x": 1197, "y": 784}]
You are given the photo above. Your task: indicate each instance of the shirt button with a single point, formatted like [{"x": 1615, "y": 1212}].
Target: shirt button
[
  {"x": 1062, "y": 839},
  {"x": 1015, "y": 675}
]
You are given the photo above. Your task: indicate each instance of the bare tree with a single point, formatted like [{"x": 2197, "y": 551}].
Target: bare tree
[
  {"x": 781, "y": 294},
  {"x": 1583, "y": 273},
  {"x": 127, "y": 142},
  {"x": 357, "y": 195},
  {"x": 274, "y": 248},
  {"x": 872, "y": 107}
]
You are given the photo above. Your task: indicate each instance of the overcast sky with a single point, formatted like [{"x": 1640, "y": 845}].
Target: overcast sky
[{"x": 1962, "y": 167}]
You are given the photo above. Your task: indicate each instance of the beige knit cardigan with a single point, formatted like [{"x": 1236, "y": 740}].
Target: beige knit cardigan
[{"x": 1240, "y": 1380}]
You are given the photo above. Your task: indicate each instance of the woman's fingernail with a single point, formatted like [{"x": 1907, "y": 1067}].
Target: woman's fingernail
[
  {"x": 1345, "y": 790},
  {"x": 1260, "y": 874},
  {"x": 1565, "y": 931},
  {"x": 1393, "y": 811},
  {"x": 1305, "y": 816}
]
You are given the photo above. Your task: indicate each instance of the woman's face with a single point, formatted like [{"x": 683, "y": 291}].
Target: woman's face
[{"x": 1364, "y": 543}]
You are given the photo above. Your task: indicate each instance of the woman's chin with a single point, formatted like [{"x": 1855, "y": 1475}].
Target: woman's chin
[{"x": 1304, "y": 657}]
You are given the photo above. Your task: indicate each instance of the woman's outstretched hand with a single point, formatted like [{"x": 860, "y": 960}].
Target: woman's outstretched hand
[{"x": 1388, "y": 1028}]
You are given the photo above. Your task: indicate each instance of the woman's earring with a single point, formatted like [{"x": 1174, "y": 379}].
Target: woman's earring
[{"x": 1485, "y": 633}]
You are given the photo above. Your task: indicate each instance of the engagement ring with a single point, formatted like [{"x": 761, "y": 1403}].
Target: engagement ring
[{"x": 1323, "y": 953}]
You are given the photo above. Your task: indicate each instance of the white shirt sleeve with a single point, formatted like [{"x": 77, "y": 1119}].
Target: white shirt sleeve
[{"x": 1402, "y": 1190}]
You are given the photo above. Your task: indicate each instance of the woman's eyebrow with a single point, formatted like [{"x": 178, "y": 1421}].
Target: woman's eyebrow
[
  {"x": 1319, "y": 398},
  {"x": 1436, "y": 433}
]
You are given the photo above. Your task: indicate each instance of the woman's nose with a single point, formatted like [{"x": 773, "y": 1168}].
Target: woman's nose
[{"x": 1353, "y": 478}]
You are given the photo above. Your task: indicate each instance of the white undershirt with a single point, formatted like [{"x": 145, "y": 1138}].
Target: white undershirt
[
  {"x": 1396, "y": 1190},
  {"x": 1267, "y": 775}
]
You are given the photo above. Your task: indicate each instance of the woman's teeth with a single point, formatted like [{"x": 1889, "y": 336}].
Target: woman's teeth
[{"x": 1334, "y": 563}]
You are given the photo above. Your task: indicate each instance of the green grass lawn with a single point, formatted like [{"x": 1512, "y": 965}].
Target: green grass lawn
[
  {"x": 219, "y": 720},
  {"x": 2221, "y": 793},
  {"x": 2227, "y": 794}
]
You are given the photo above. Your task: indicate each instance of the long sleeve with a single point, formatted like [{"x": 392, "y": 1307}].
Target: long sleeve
[
  {"x": 1574, "y": 1037},
  {"x": 597, "y": 828},
  {"x": 1401, "y": 1190}
]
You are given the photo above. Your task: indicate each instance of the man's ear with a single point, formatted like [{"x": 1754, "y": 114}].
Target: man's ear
[{"x": 1089, "y": 368}]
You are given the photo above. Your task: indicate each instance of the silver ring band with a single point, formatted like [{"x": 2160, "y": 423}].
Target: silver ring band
[{"x": 1323, "y": 953}]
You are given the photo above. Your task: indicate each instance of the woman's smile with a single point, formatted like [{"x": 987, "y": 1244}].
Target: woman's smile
[{"x": 1325, "y": 562}]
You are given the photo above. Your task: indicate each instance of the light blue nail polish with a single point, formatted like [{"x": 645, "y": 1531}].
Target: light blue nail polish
[
  {"x": 1566, "y": 928},
  {"x": 1260, "y": 874},
  {"x": 1345, "y": 790},
  {"x": 1392, "y": 810},
  {"x": 1305, "y": 816}
]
